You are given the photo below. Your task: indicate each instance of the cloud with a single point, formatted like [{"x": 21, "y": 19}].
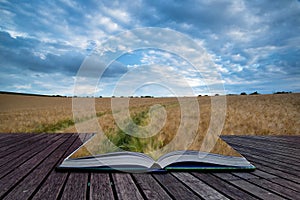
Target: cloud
[
  {"x": 158, "y": 75},
  {"x": 21, "y": 87},
  {"x": 31, "y": 54},
  {"x": 247, "y": 40}
]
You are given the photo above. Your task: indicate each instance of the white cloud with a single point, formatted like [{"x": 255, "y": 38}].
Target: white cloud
[
  {"x": 15, "y": 34},
  {"x": 118, "y": 14},
  {"x": 238, "y": 58},
  {"x": 71, "y": 4},
  {"x": 194, "y": 82},
  {"x": 239, "y": 35},
  {"x": 108, "y": 24},
  {"x": 20, "y": 87}
]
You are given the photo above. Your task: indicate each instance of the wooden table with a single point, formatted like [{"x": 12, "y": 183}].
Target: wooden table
[{"x": 28, "y": 161}]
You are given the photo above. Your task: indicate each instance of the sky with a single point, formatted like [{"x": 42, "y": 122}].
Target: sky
[{"x": 243, "y": 46}]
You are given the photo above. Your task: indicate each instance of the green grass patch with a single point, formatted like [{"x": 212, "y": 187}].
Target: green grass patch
[
  {"x": 63, "y": 124},
  {"x": 50, "y": 128},
  {"x": 131, "y": 143}
]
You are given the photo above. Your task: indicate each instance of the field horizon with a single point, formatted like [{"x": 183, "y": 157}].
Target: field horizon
[{"x": 265, "y": 114}]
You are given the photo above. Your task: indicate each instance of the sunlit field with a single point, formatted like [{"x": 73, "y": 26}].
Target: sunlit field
[{"x": 245, "y": 115}]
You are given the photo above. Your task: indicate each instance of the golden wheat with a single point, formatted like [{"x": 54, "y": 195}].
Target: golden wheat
[{"x": 256, "y": 114}]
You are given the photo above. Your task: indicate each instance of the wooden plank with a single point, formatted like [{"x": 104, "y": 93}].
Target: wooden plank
[
  {"x": 4, "y": 136},
  {"x": 16, "y": 151},
  {"x": 286, "y": 184},
  {"x": 245, "y": 175},
  {"x": 76, "y": 186},
  {"x": 19, "y": 148},
  {"x": 295, "y": 166},
  {"x": 291, "y": 152},
  {"x": 223, "y": 186},
  {"x": 270, "y": 163},
  {"x": 276, "y": 179},
  {"x": 11, "y": 179},
  {"x": 10, "y": 136},
  {"x": 150, "y": 187},
  {"x": 258, "y": 140},
  {"x": 271, "y": 137},
  {"x": 281, "y": 141},
  {"x": 289, "y": 138},
  {"x": 125, "y": 186},
  {"x": 276, "y": 172},
  {"x": 14, "y": 146},
  {"x": 258, "y": 174},
  {"x": 8, "y": 164},
  {"x": 239, "y": 181},
  {"x": 263, "y": 174},
  {"x": 269, "y": 181},
  {"x": 255, "y": 190},
  {"x": 288, "y": 154},
  {"x": 226, "y": 176},
  {"x": 198, "y": 186},
  {"x": 13, "y": 138},
  {"x": 273, "y": 187},
  {"x": 274, "y": 164},
  {"x": 34, "y": 179},
  {"x": 274, "y": 155},
  {"x": 51, "y": 187},
  {"x": 283, "y": 156},
  {"x": 284, "y": 166},
  {"x": 174, "y": 187},
  {"x": 101, "y": 186}
]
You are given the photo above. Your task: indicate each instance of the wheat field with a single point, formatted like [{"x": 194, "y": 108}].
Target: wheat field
[{"x": 276, "y": 114}]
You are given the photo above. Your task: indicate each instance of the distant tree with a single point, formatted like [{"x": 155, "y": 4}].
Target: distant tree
[
  {"x": 283, "y": 92},
  {"x": 147, "y": 96},
  {"x": 254, "y": 93},
  {"x": 100, "y": 96},
  {"x": 243, "y": 93},
  {"x": 56, "y": 95},
  {"x": 216, "y": 94},
  {"x": 199, "y": 95}
]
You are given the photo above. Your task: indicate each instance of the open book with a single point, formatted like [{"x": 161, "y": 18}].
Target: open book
[{"x": 221, "y": 157}]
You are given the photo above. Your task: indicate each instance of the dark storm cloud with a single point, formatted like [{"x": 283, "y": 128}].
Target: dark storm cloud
[{"x": 26, "y": 55}]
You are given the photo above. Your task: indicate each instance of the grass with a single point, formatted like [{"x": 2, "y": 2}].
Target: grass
[
  {"x": 48, "y": 128},
  {"x": 122, "y": 139},
  {"x": 254, "y": 115},
  {"x": 245, "y": 115},
  {"x": 62, "y": 124}
]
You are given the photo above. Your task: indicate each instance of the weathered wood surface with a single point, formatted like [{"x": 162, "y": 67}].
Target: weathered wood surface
[{"x": 28, "y": 161}]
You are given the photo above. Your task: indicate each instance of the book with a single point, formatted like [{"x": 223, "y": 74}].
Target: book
[{"x": 221, "y": 157}]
